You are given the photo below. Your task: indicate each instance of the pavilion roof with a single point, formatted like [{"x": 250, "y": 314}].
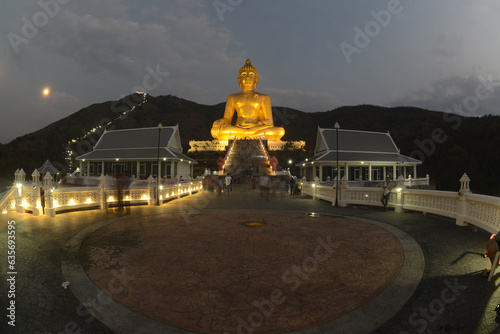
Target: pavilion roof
[
  {"x": 357, "y": 146},
  {"x": 47, "y": 167},
  {"x": 138, "y": 144}
]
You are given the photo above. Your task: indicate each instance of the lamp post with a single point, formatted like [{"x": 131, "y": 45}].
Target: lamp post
[
  {"x": 337, "y": 126},
  {"x": 158, "y": 166}
]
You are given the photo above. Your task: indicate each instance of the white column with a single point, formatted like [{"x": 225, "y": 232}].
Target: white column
[{"x": 463, "y": 205}]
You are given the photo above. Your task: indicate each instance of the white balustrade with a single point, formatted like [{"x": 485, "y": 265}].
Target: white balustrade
[
  {"x": 22, "y": 196},
  {"x": 463, "y": 206}
]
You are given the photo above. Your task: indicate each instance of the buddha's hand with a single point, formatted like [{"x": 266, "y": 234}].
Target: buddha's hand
[{"x": 217, "y": 125}]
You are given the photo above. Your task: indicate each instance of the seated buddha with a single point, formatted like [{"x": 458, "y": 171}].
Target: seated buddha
[{"x": 254, "y": 113}]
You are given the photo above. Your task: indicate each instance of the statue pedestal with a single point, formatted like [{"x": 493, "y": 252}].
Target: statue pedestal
[
  {"x": 222, "y": 146},
  {"x": 207, "y": 145}
]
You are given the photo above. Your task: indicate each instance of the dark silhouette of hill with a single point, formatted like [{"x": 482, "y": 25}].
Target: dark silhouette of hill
[{"x": 448, "y": 144}]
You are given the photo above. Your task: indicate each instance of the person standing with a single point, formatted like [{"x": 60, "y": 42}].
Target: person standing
[
  {"x": 229, "y": 183},
  {"x": 386, "y": 193}
]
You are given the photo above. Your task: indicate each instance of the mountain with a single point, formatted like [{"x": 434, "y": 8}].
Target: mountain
[{"x": 448, "y": 144}]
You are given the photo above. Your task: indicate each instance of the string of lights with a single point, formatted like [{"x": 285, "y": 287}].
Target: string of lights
[{"x": 70, "y": 152}]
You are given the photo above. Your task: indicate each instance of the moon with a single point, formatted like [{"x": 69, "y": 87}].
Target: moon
[{"x": 46, "y": 92}]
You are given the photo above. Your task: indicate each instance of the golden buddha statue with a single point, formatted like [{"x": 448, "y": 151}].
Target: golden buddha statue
[{"x": 255, "y": 117}]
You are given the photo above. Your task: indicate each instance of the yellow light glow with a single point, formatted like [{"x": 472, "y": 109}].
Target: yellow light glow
[
  {"x": 399, "y": 189},
  {"x": 161, "y": 197},
  {"x": 173, "y": 194},
  {"x": 38, "y": 204},
  {"x": 145, "y": 197},
  {"x": 4, "y": 212},
  {"x": 127, "y": 198},
  {"x": 111, "y": 199},
  {"x": 13, "y": 205},
  {"x": 46, "y": 92},
  {"x": 88, "y": 201},
  {"x": 56, "y": 204},
  {"x": 72, "y": 202}
]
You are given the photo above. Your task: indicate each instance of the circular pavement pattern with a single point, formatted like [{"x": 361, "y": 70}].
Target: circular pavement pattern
[{"x": 209, "y": 272}]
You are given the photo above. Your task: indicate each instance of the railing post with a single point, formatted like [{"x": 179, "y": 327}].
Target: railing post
[
  {"x": 49, "y": 202},
  {"x": 315, "y": 187},
  {"x": 20, "y": 179},
  {"x": 400, "y": 184},
  {"x": 37, "y": 200},
  {"x": 152, "y": 188},
  {"x": 343, "y": 192},
  {"x": 102, "y": 195},
  {"x": 463, "y": 206},
  {"x": 304, "y": 179}
]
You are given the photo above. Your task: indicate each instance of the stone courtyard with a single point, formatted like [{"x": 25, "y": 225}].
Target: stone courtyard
[{"x": 300, "y": 266}]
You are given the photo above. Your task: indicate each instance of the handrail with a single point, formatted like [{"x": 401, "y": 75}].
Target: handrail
[{"x": 463, "y": 206}]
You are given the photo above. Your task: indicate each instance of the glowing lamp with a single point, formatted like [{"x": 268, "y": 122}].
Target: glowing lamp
[{"x": 88, "y": 201}]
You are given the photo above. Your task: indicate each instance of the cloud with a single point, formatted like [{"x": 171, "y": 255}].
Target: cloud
[
  {"x": 468, "y": 96},
  {"x": 448, "y": 44},
  {"x": 179, "y": 37}
]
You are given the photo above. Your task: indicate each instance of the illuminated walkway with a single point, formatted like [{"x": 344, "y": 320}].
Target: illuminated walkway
[{"x": 451, "y": 297}]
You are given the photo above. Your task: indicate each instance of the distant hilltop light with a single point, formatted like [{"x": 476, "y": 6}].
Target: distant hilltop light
[{"x": 46, "y": 91}]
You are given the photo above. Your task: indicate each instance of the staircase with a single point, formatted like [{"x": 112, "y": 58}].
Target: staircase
[{"x": 247, "y": 156}]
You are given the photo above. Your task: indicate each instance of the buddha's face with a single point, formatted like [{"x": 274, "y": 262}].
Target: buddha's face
[{"x": 248, "y": 79}]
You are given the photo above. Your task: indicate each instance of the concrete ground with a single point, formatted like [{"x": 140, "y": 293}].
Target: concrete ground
[{"x": 450, "y": 296}]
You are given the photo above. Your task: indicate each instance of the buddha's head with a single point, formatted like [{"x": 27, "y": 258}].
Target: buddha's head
[{"x": 248, "y": 76}]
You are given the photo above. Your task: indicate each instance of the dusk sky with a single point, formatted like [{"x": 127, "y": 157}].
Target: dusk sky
[{"x": 311, "y": 55}]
